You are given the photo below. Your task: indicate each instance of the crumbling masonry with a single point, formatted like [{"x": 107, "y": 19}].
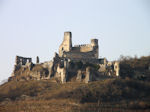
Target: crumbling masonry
[{"x": 78, "y": 61}]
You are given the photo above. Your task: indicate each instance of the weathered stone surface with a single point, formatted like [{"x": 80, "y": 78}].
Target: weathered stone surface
[
  {"x": 79, "y": 76},
  {"x": 88, "y": 75},
  {"x": 49, "y": 65},
  {"x": 116, "y": 68},
  {"x": 62, "y": 73}
]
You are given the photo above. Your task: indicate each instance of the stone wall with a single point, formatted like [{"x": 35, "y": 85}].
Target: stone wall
[
  {"x": 22, "y": 60},
  {"x": 62, "y": 73},
  {"x": 116, "y": 68},
  {"x": 87, "y": 52},
  {"x": 48, "y": 65},
  {"x": 82, "y": 48},
  {"x": 87, "y": 60},
  {"x": 88, "y": 75},
  {"x": 80, "y": 55}
]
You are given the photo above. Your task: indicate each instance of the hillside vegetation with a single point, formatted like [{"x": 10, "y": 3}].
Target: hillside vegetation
[
  {"x": 130, "y": 94},
  {"x": 136, "y": 68}
]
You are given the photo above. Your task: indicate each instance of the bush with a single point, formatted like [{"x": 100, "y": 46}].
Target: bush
[
  {"x": 135, "y": 67},
  {"x": 139, "y": 105},
  {"x": 109, "y": 90},
  {"x": 72, "y": 65},
  {"x": 79, "y": 65}
]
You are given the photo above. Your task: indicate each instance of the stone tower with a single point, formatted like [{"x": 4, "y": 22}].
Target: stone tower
[
  {"x": 94, "y": 44},
  {"x": 66, "y": 45}
]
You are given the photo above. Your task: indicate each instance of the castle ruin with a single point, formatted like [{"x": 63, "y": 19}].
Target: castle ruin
[{"x": 80, "y": 61}]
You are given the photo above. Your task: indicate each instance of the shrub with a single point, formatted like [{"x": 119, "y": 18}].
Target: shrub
[{"x": 79, "y": 65}]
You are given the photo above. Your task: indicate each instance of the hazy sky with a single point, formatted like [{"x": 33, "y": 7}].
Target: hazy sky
[{"x": 33, "y": 28}]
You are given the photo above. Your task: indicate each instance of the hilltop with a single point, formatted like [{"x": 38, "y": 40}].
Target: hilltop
[{"x": 129, "y": 92}]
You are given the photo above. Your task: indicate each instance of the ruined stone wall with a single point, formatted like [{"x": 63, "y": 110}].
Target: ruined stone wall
[
  {"x": 80, "y": 55},
  {"x": 48, "y": 65},
  {"x": 88, "y": 75},
  {"x": 82, "y": 48},
  {"x": 116, "y": 68},
  {"x": 62, "y": 72},
  {"x": 74, "y": 55},
  {"x": 22, "y": 60},
  {"x": 87, "y": 60}
]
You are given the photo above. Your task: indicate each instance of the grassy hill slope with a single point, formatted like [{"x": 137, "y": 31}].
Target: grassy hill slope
[{"x": 46, "y": 95}]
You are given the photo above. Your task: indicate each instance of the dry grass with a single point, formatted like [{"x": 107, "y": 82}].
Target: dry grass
[
  {"x": 63, "y": 105},
  {"x": 38, "y": 106},
  {"x": 49, "y": 96}
]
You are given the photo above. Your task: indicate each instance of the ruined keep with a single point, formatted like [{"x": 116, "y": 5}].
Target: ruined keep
[
  {"x": 73, "y": 63},
  {"x": 78, "y": 52}
]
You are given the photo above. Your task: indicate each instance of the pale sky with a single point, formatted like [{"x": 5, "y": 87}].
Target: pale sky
[{"x": 33, "y": 28}]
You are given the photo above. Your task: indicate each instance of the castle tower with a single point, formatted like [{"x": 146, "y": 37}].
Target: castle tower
[
  {"x": 66, "y": 45},
  {"x": 94, "y": 44}
]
